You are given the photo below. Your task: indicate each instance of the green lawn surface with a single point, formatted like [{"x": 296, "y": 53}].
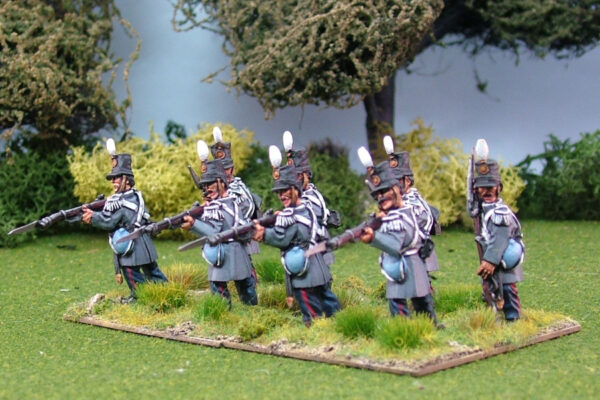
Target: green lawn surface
[{"x": 43, "y": 356}]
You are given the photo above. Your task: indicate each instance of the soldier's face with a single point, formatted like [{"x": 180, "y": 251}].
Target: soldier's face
[
  {"x": 117, "y": 183},
  {"x": 389, "y": 199},
  {"x": 211, "y": 191},
  {"x": 488, "y": 194},
  {"x": 288, "y": 197}
]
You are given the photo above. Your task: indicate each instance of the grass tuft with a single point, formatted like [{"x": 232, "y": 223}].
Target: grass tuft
[
  {"x": 161, "y": 297},
  {"x": 189, "y": 276},
  {"x": 449, "y": 299},
  {"x": 356, "y": 321},
  {"x": 210, "y": 308},
  {"x": 270, "y": 270},
  {"x": 272, "y": 296},
  {"x": 405, "y": 333},
  {"x": 482, "y": 319}
]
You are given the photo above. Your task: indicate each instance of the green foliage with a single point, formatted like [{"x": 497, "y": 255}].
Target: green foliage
[
  {"x": 34, "y": 185},
  {"x": 440, "y": 172},
  {"x": 482, "y": 319},
  {"x": 210, "y": 308},
  {"x": 54, "y": 55},
  {"x": 353, "y": 322},
  {"x": 269, "y": 270},
  {"x": 342, "y": 188},
  {"x": 448, "y": 299},
  {"x": 160, "y": 170},
  {"x": 405, "y": 333},
  {"x": 295, "y": 53},
  {"x": 189, "y": 276},
  {"x": 568, "y": 186},
  {"x": 565, "y": 28},
  {"x": 161, "y": 297}
]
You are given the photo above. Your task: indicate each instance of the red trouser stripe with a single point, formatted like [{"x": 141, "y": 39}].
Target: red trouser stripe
[{"x": 305, "y": 299}]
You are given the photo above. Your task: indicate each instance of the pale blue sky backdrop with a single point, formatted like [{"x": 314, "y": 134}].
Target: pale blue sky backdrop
[{"x": 522, "y": 105}]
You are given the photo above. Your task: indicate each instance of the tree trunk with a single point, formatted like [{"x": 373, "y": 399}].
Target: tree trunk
[{"x": 380, "y": 117}]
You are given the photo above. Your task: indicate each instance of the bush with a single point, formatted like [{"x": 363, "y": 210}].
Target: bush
[
  {"x": 34, "y": 185},
  {"x": 440, "y": 172},
  {"x": 353, "y": 322},
  {"x": 160, "y": 169},
  {"x": 161, "y": 297},
  {"x": 211, "y": 308},
  {"x": 568, "y": 186},
  {"x": 405, "y": 333}
]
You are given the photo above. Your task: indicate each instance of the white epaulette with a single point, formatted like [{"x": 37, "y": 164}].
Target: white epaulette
[
  {"x": 285, "y": 218},
  {"x": 499, "y": 215},
  {"x": 392, "y": 222},
  {"x": 212, "y": 212}
]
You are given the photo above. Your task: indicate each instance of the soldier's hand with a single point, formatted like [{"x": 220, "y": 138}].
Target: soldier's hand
[
  {"x": 380, "y": 214},
  {"x": 486, "y": 269},
  {"x": 259, "y": 232},
  {"x": 188, "y": 223},
  {"x": 367, "y": 235},
  {"x": 119, "y": 278},
  {"x": 289, "y": 301},
  {"x": 86, "y": 218}
]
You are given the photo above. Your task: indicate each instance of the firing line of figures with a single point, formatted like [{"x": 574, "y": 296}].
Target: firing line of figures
[{"x": 229, "y": 224}]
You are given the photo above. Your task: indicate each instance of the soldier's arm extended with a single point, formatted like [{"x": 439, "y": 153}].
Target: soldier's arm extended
[{"x": 109, "y": 221}]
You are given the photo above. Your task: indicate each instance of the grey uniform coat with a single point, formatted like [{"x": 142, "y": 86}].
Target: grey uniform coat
[
  {"x": 498, "y": 225},
  {"x": 219, "y": 215},
  {"x": 245, "y": 201},
  {"x": 399, "y": 235},
  {"x": 425, "y": 221},
  {"x": 295, "y": 226},
  {"x": 124, "y": 210},
  {"x": 314, "y": 199}
]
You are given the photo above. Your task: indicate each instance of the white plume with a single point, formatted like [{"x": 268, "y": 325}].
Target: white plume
[
  {"x": 365, "y": 157},
  {"x": 217, "y": 134},
  {"x": 481, "y": 150},
  {"x": 388, "y": 143},
  {"x": 202, "y": 150},
  {"x": 274, "y": 156},
  {"x": 110, "y": 146},
  {"x": 288, "y": 140}
]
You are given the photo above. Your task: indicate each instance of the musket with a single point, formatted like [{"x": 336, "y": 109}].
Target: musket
[
  {"x": 492, "y": 286},
  {"x": 154, "y": 228},
  {"x": 60, "y": 215},
  {"x": 235, "y": 233},
  {"x": 351, "y": 234}
]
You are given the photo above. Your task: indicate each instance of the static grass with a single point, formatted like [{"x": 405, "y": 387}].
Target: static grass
[
  {"x": 189, "y": 276},
  {"x": 363, "y": 329},
  {"x": 44, "y": 357},
  {"x": 161, "y": 297}
]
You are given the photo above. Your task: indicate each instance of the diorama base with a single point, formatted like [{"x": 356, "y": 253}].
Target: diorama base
[{"x": 452, "y": 359}]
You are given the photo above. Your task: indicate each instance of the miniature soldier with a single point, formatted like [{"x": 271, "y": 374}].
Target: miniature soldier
[
  {"x": 310, "y": 194},
  {"x": 294, "y": 232},
  {"x": 500, "y": 237},
  {"x": 400, "y": 240},
  {"x": 426, "y": 215},
  {"x": 228, "y": 261},
  {"x": 124, "y": 211}
]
